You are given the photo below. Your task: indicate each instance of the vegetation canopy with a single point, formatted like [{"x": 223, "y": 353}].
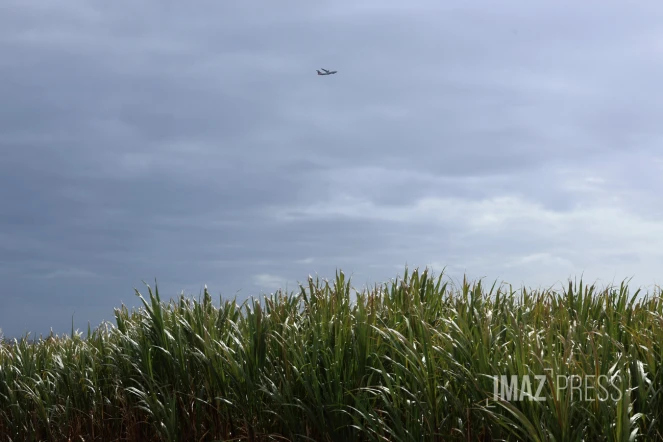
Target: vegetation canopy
[{"x": 410, "y": 360}]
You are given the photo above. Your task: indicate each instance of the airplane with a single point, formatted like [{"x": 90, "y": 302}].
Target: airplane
[{"x": 326, "y": 72}]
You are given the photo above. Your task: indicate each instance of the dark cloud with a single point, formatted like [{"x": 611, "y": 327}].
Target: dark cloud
[{"x": 196, "y": 145}]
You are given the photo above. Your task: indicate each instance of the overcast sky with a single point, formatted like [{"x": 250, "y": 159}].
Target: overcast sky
[{"x": 194, "y": 143}]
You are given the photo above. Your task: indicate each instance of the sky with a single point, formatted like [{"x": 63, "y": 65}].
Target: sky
[{"x": 194, "y": 144}]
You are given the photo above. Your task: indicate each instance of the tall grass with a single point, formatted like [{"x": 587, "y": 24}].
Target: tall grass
[{"x": 410, "y": 360}]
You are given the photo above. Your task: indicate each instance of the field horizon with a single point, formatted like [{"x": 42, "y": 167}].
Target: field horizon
[{"x": 653, "y": 289}]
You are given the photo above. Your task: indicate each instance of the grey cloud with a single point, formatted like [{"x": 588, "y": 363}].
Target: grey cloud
[{"x": 144, "y": 140}]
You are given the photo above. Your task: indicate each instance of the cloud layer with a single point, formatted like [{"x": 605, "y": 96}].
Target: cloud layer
[{"x": 195, "y": 144}]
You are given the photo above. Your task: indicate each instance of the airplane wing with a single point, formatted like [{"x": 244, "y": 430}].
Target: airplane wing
[{"x": 326, "y": 70}]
